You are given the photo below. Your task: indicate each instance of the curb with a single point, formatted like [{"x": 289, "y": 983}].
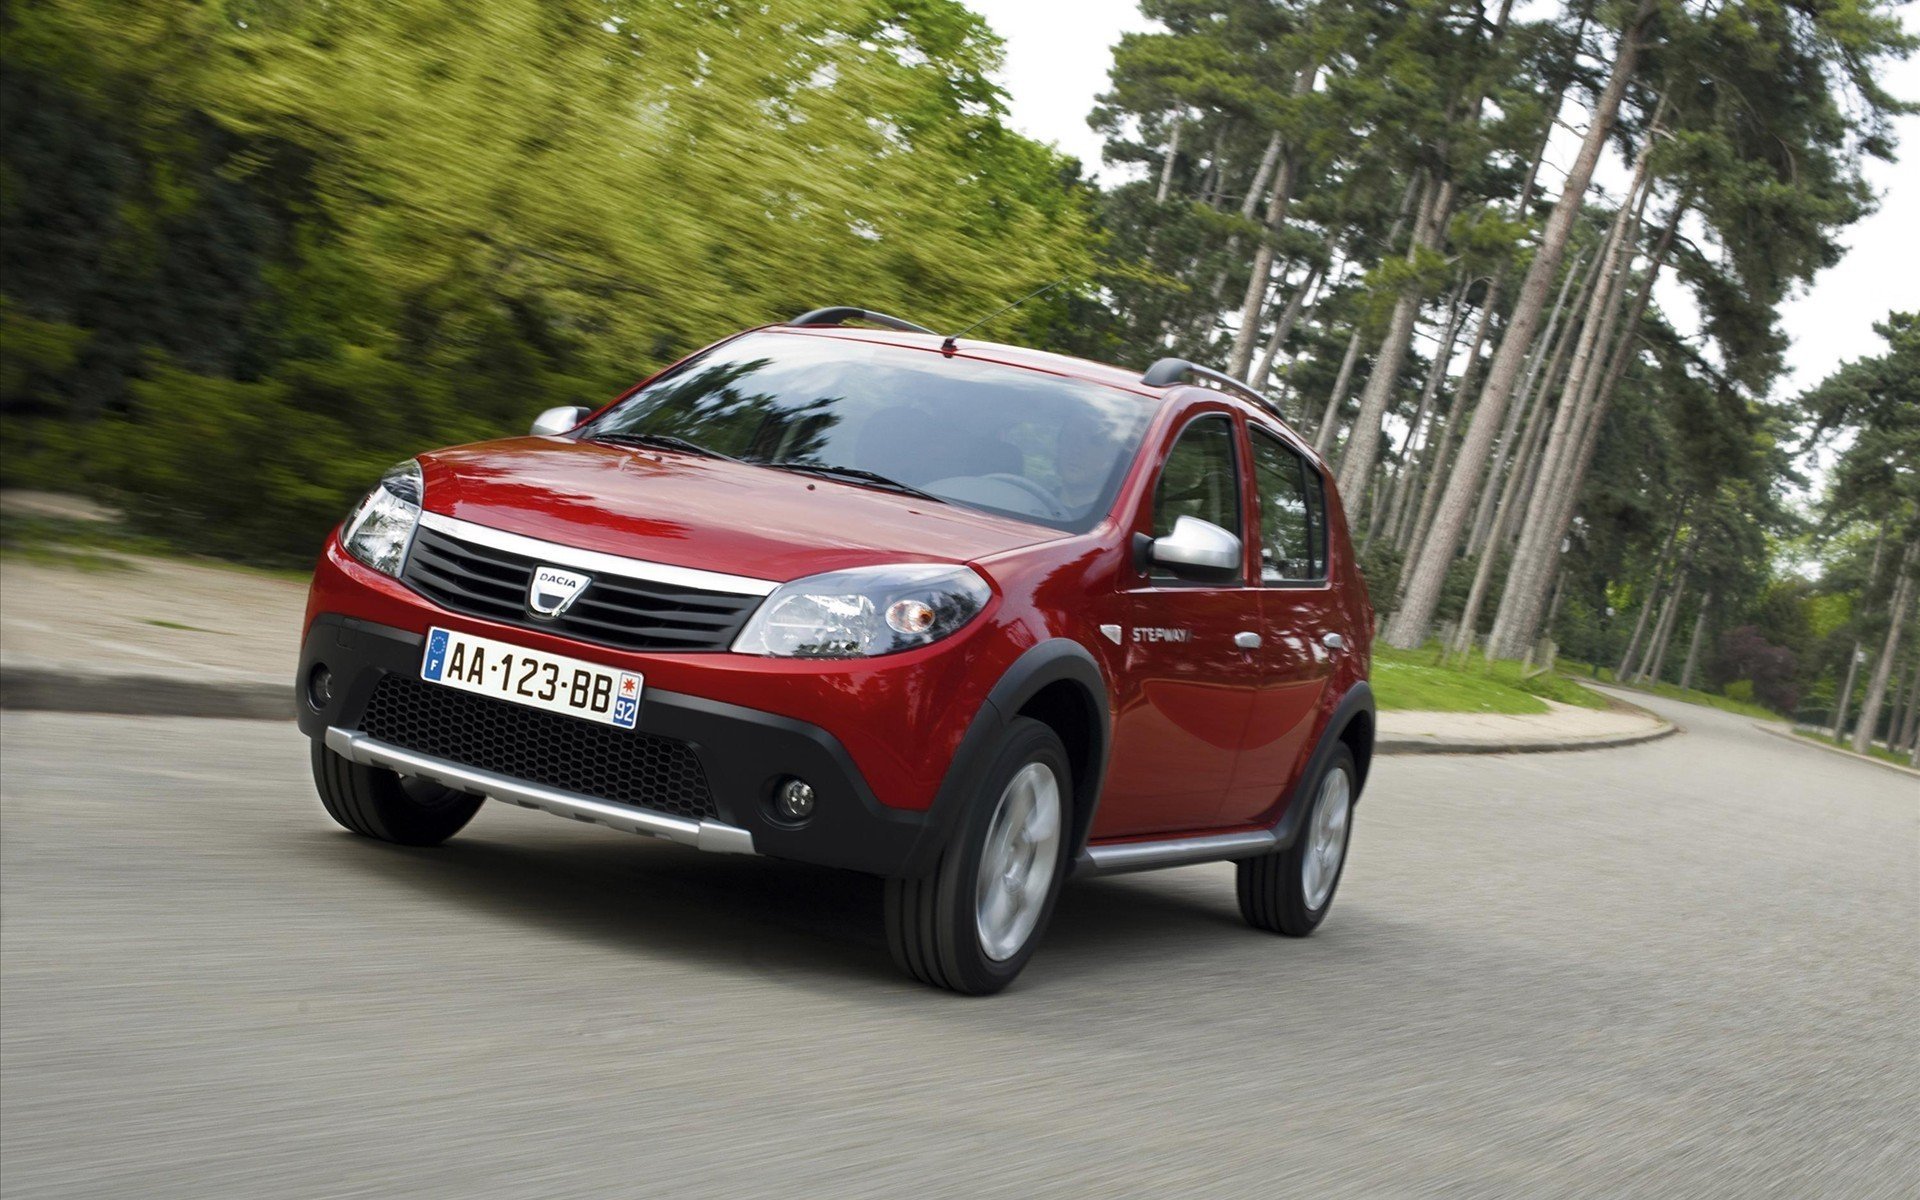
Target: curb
[
  {"x": 1410, "y": 746},
  {"x": 48, "y": 690},
  {"x": 1797, "y": 740},
  {"x": 133, "y": 695}
]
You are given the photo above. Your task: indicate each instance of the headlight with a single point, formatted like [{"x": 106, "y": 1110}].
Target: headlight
[
  {"x": 380, "y": 528},
  {"x": 864, "y": 611}
]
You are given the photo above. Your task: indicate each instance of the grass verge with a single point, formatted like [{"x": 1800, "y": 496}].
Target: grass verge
[
  {"x": 103, "y": 546},
  {"x": 1416, "y": 680},
  {"x": 1898, "y": 760},
  {"x": 1744, "y": 708}
]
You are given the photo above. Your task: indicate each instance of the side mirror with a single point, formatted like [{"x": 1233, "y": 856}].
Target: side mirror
[
  {"x": 1197, "y": 549},
  {"x": 558, "y": 420}
]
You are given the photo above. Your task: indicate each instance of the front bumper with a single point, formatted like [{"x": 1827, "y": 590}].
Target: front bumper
[
  {"x": 701, "y": 834},
  {"x": 743, "y": 752}
]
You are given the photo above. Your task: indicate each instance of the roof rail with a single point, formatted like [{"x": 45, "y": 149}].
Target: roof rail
[
  {"x": 840, "y": 315},
  {"x": 1169, "y": 371}
]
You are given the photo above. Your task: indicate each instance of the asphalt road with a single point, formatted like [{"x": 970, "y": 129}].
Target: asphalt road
[{"x": 1686, "y": 967}]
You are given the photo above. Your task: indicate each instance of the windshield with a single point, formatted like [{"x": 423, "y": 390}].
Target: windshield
[{"x": 1010, "y": 441}]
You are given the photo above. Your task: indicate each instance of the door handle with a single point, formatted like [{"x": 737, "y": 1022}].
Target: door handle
[
  {"x": 1333, "y": 641},
  {"x": 1247, "y": 640}
]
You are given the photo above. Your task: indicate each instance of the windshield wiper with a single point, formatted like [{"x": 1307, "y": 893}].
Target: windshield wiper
[
  {"x": 659, "y": 441},
  {"x": 857, "y": 475}
]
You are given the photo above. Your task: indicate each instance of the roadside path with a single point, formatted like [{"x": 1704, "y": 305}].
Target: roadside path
[{"x": 164, "y": 637}]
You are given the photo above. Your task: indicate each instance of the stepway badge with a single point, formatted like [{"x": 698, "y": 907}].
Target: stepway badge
[{"x": 436, "y": 656}]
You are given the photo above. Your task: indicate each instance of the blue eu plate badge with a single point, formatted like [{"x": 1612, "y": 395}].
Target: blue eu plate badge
[{"x": 436, "y": 663}]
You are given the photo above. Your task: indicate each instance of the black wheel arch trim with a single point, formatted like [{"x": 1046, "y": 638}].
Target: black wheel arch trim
[
  {"x": 1357, "y": 702},
  {"x": 1055, "y": 660}
]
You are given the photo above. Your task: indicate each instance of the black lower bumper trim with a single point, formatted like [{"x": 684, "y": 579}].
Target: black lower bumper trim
[{"x": 744, "y": 752}]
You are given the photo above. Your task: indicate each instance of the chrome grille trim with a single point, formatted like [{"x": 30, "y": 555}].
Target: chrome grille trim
[
  {"x": 624, "y": 612},
  {"x": 595, "y": 561}
]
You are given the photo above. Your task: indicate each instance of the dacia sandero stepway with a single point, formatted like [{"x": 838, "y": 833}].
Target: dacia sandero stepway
[{"x": 968, "y": 617}]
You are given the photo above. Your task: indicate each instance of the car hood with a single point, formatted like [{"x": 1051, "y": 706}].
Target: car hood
[{"x": 711, "y": 514}]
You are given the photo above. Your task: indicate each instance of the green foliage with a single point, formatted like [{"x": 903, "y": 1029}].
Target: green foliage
[
  {"x": 37, "y": 353},
  {"x": 1380, "y": 565},
  {"x": 253, "y": 253}
]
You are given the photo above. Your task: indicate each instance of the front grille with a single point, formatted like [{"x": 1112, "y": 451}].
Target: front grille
[
  {"x": 624, "y": 766},
  {"x": 629, "y": 614}
]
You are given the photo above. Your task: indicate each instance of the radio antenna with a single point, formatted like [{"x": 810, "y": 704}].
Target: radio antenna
[{"x": 951, "y": 342}]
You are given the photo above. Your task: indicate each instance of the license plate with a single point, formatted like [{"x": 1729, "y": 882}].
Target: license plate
[{"x": 532, "y": 677}]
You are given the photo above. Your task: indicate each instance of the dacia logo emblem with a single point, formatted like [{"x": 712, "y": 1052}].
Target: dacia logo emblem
[{"x": 553, "y": 591}]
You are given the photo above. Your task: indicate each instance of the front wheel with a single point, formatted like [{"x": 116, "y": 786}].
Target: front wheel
[
  {"x": 972, "y": 924},
  {"x": 377, "y": 803},
  {"x": 1290, "y": 891}
]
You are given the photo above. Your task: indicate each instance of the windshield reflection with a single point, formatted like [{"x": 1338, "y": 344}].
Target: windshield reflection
[{"x": 1013, "y": 442}]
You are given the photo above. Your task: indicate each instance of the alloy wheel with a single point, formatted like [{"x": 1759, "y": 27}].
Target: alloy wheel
[{"x": 1018, "y": 862}]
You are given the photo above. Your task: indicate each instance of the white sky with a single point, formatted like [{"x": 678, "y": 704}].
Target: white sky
[{"x": 1058, "y": 52}]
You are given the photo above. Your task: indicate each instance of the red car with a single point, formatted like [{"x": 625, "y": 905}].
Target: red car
[{"x": 965, "y": 616}]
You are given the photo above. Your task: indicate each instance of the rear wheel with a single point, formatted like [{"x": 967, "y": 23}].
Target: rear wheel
[
  {"x": 972, "y": 924},
  {"x": 377, "y": 803},
  {"x": 1290, "y": 891}
]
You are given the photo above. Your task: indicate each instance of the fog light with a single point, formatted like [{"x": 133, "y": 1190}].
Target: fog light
[
  {"x": 320, "y": 686},
  {"x": 794, "y": 799}
]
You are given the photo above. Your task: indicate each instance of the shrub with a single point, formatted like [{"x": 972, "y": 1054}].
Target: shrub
[{"x": 1769, "y": 670}]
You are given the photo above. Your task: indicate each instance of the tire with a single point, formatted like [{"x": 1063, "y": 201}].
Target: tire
[
  {"x": 952, "y": 929},
  {"x": 1274, "y": 888},
  {"x": 377, "y": 803}
]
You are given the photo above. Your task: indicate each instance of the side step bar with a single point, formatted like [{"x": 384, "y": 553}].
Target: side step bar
[
  {"x": 705, "y": 835},
  {"x": 1117, "y": 857}
]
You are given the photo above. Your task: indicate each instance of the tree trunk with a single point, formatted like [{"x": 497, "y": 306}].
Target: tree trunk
[
  {"x": 1693, "y": 643},
  {"x": 1256, "y": 187},
  {"x": 1656, "y": 656},
  {"x": 1429, "y": 571},
  {"x": 1258, "y": 279},
  {"x": 1508, "y": 510},
  {"x": 1883, "y": 668},
  {"x": 1535, "y": 555},
  {"x": 1289, "y": 317},
  {"x": 1268, "y": 157},
  {"x": 1658, "y": 666},
  {"x": 1520, "y": 604},
  {"x": 1900, "y": 732},
  {"x": 1166, "y": 162},
  {"x": 1376, "y": 508},
  {"x": 1419, "y": 433},
  {"x": 1638, "y": 670},
  {"x": 1454, "y": 419},
  {"x": 1636, "y": 650},
  {"x": 1653, "y": 591},
  {"x": 1553, "y": 350},
  {"x": 1363, "y": 444},
  {"x": 1217, "y": 169},
  {"x": 1553, "y": 611},
  {"x": 1330, "y": 419},
  {"x": 1842, "y": 701}
]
